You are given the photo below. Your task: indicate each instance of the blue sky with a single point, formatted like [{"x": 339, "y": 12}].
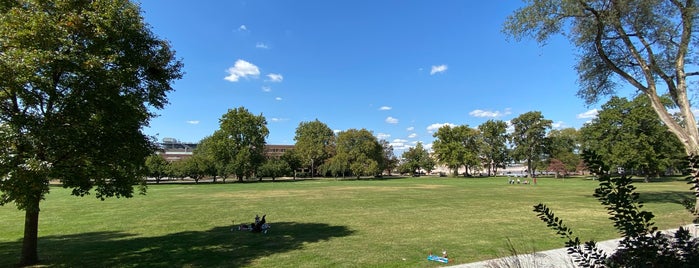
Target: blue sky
[{"x": 400, "y": 69}]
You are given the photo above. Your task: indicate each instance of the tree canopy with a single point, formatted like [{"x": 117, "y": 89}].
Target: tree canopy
[
  {"x": 529, "y": 138},
  {"x": 360, "y": 151},
  {"x": 314, "y": 141},
  {"x": 457, "y": 146},
  {"x": 644, "y": 44},
  {"x": 79, "y": 81},
  {"x": 494, "y": 145},
  {"x": 630, "y": 135},
  {"x": 239, "y": 144}
]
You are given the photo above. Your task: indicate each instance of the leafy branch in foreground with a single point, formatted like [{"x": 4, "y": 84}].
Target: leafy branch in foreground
[{"x": 642, "y": 244}]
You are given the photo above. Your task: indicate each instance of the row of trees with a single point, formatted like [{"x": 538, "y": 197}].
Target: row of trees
[{"x": 627, "y": 134}]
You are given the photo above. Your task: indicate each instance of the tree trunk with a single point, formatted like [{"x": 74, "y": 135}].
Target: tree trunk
[{"x": 30, "y": 254}]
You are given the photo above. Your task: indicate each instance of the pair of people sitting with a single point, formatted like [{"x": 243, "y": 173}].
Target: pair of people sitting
[{"x": 260, "y": 225}]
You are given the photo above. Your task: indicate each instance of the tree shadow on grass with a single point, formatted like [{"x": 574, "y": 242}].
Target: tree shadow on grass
[
  {"x": 217, "y": 247},
  {"x": 675, "y": 197}
]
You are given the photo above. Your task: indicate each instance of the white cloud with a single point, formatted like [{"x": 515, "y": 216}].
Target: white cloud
[
  {"x": 391, "y": 120},
  {"x": 412, "y": 135},
  {"x": 438, "y": 69},
  {"x": 193, "y": 122},
  {"x": 278, "y": 98},
  {"x": 493, "y": 114},
  {"x": 266, "y": 88},
  {"x": 261, "y": 45},
  {"x": 410, "y": 129},
  {"x": 276, "y": 119},
  {"x": 558, "y": 125},
  {"x": 510, "y": 127},
  {"x": 243, "y": 28},
  {"x": 383, "y": 136},
  {"x": 589, "y": 114},
  {"x": 385, "y": 108},
  {"x": 399, "y": 144},
  {"x": 336, "y": 131},
  {"x": 275, "y": 77},
  {"x": 434, "y": 127},
  {"x": 242, "y": 69}
]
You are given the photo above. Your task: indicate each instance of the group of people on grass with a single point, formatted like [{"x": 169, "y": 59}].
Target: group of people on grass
[
  {"x": 517, "y": 181},
  {"x": 259, "y": 226}
]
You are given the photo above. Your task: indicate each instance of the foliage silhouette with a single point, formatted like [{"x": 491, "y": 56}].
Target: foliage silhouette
[
  {"x": 216, "y": 247},
  {"x": 642, "y": 244}
]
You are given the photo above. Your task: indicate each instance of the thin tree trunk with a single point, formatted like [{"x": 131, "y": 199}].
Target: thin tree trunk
[{"x": 30, "y": 254}]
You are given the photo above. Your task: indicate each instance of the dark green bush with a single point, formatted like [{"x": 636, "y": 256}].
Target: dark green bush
[{"x": 642, "y": 245}]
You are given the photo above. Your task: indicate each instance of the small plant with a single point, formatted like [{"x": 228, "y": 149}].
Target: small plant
[{"x": 642, "y": 245}]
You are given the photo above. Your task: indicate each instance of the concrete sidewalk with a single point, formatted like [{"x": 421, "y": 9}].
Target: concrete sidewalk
[{"x": 551, "y": 258}]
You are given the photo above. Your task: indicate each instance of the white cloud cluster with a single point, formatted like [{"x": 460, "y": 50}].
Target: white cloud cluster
[
  {"x": 589, "y": 114},
  {"x": 242, "y": 69},
  {"x": 391, "y": 120},
  {"x": 434, "y": 127},
  {"x": 382, "y": 136},
  {"x": 412, "y": 135},
  {"x": 385, "y": 108},
  {"x": 275, "y": 77},
  {"x": 400, "y": 144},
  {"x": 558, "y": 125},
  {"x": 492, "y": 114},
  {"x": 438, "y": 69}
]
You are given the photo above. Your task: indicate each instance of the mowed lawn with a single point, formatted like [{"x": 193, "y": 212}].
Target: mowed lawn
[{"x": 321, "y": 222}]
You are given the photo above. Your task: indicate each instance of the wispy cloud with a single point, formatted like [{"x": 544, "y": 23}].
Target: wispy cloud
[
  {"x": 383, "y": 136},
  {"x": 400, "y": 144},
  {"x": 412, "y": 136},
  {"x": 243, "y": 28},
  {"x": 434, "y": 127},
  {"x": 438, "y": 69},
  {"x": 558, "y": 125},
  {"x": 241, "y": 69},
  {"x": 278, "y": 98},
  {"x": 266, "y": 88},
  {"x": 492, "y": 114},
  {"x": 277, "y": 120},
  {"x": 261, "y": 45},
  {"x": 410, "y": 129},
  {"x": 193, "y": 122},
  {"x": 589, "y": 114},
  {"x": 275, "y": 77},
  {"x": 391, "y": 120},
  {"x": 385, "y": 108}
]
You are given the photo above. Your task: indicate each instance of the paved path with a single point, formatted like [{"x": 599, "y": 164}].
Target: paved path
[{"x": 550, "y": 258}]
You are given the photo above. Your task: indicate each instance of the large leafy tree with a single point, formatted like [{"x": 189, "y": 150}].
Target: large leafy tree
[
  {"x": 529, "y": 138},
  {"x": 563, "y": 150},
  {"x": 80, "y": 79},
  {"x": 389, "y": 161},
  {"x": 645, "y": 44},
  {"x": 360, "y": 150},
  {"x": 314, "y": 142},
  {"x": 629, "y": 134},
  {"x": 416, "y": 158},
  {"x": 457, "y": 146},
  {"x": 157, "y": 167},
  {"x": 238, "y": 145},
  {"x": 494, "y": 145}
]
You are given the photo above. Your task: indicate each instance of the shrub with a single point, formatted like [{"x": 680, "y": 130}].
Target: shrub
[{"x": 642, "y": 245}]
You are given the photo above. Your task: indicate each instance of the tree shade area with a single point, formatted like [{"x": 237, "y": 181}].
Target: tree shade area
[{"x": 79, "y": 81}]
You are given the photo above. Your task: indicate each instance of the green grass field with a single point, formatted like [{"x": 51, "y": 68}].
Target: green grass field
[{"x": 321, "y": 223}]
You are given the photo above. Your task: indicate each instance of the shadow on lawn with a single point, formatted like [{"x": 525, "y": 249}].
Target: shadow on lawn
[
  {"x": 217, "y": 247},
  {"x": 675, "y": 197}
]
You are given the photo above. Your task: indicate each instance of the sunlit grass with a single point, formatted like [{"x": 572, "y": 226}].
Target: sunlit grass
[{"x": 320, "y": 223}]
